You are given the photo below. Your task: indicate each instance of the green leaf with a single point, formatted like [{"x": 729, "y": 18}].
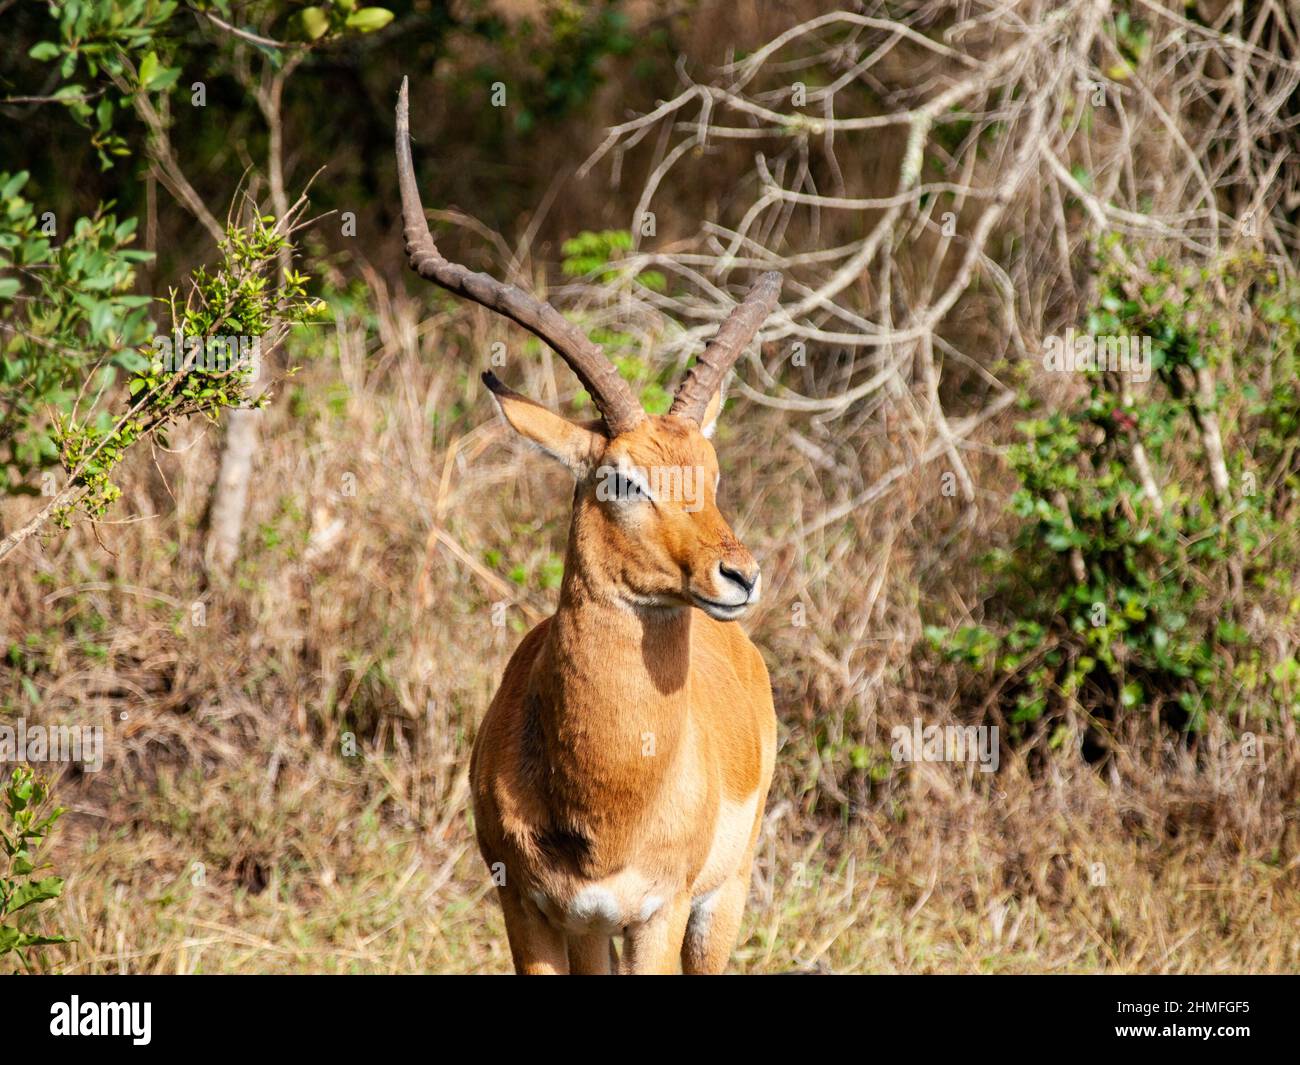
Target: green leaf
[
  {"x": 315, "y": 22},
  {"x": 27, "y": 940},
  {"x": 44, "y": 50},
  {"x": 35, "y": 891},
  {"x": 369, "y": 19},
  {"x": 13, "y": 185},
  {"x": 165, "y": 79},
  {"x": 68, "y": 91},
  {"x": 148, "y": 69}
]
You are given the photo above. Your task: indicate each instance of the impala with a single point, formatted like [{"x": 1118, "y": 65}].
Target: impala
[{"x": 620, "y": 774}]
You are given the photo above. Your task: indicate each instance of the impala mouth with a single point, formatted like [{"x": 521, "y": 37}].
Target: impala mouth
[{"x": 720, "y": 611}]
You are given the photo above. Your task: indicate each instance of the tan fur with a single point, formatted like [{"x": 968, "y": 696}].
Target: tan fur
[{"x": 620, "y": 774}]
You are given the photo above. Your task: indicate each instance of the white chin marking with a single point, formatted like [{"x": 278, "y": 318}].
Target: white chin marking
[{"x": 720, "y": 612}]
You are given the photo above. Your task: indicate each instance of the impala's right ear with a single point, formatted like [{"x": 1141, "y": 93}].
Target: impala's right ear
[{"x": 576, "y": 446}]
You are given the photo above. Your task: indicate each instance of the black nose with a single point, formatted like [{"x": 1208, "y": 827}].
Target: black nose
[{"x": 739, "y": 578}]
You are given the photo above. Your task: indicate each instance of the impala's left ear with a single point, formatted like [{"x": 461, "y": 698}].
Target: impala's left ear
[
  {"x": 576, "y": 446},
  {"x": 710, "y": 420}
]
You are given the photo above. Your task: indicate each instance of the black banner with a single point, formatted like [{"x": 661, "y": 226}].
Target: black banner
[{"x": 153, "y": 1014}]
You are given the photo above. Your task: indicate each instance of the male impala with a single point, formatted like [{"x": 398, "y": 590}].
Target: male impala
[{"x": 620, "y": 773}]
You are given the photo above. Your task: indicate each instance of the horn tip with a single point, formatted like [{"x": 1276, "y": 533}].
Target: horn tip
[
  {"x": 403, "y": 110},
  {"x": 495, "y": 385}
]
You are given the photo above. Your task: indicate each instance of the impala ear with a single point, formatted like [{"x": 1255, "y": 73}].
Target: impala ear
[
  {"x": 577, "y": 447},
  {"x": 709, "y": 420}
]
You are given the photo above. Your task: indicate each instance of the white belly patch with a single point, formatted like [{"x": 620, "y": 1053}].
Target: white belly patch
[
  {"x": 602, "y": 908},
  {"x": 629, "y": 898}
]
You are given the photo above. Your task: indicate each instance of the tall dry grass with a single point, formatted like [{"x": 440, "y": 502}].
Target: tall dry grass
[
  {"x": 286, "y": 751},
  {"x": 232, "y": 831}
]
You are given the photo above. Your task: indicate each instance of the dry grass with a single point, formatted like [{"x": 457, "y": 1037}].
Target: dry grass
[{"x": 229, "y": 832}]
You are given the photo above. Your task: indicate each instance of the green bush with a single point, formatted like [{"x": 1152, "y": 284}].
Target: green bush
[
  {"x": 73, "y": 331},
  {"x": 1109, "y": 601},
  {"x": 69, "y": 323},
  {"x": 26, "y": 824}
]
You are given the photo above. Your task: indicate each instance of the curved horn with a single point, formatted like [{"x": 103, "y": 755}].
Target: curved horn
[
  {"x": 722, "y": 351},
  {"x": 609, "y": 391}
]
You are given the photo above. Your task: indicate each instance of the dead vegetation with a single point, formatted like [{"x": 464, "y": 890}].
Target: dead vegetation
[
  {"x": 229, "y": 831},
  {"x": 287, "y": 748}
]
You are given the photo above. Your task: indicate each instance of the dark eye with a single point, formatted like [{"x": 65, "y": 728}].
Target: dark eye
[
  {"x": 627, "y": 490},
  {"x": 614, "y": 485}
]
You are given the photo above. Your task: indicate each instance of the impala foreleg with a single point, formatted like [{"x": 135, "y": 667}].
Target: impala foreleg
[
  {"x": 713, "y": 926},
  {"x": 538, "y": 949},
  {"x": 591, "y": 955},
  {"x": 655, "y": 946}
]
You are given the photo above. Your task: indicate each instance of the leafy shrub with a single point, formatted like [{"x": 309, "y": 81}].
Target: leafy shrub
[
  {"x": 72, "y": 331},
  {"x": 1109, "y": 599},
  {"x": 26, "y": 824},
  {"x": 69, "y": 322}
]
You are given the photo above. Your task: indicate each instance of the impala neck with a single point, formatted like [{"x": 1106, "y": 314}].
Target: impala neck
[
  {"x": 607, "y": 644},
  {"x": 611, "y": 699}
]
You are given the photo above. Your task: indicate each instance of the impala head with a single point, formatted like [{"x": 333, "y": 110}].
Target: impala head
[{"x": 646, "y": 522}]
